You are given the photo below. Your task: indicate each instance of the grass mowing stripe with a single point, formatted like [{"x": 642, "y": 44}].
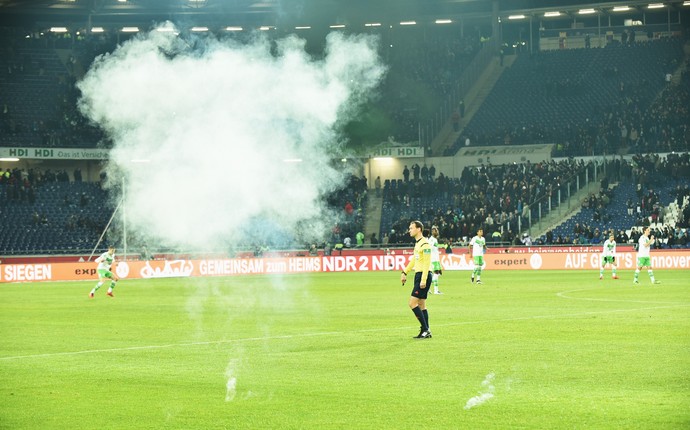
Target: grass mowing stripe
[{"x": 333, "y": 333}]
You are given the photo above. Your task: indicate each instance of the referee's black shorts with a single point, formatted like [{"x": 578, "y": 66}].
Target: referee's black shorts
[{"x": 417, "y": 290}]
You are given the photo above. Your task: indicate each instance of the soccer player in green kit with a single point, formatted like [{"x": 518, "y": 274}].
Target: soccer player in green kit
[{"x": 478, "y": 246}]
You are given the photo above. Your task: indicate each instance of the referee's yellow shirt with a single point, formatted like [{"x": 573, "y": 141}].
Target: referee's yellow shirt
[{"x": 422, "y": 259}]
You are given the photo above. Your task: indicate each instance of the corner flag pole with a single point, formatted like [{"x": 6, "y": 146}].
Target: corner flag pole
[
  {"x": 104, "y": 231},
  {"x": 124, "y": 221}
]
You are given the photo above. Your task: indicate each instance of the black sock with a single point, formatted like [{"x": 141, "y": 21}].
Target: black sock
[
  {"x": 426, "y": 317},
  {"x": 420, "y": 316}
]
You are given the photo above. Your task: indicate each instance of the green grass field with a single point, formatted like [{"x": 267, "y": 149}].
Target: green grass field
[{"x": 539, "y": 350}]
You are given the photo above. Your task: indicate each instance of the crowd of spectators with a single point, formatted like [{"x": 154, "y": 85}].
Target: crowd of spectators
[
  {"x": 651, "y": 176},
  {"x": 502, "y": 200},
  {"x": 587, "y": 235},
  {"x": 19, "y": 185},
  {"x": 652, "y": 173},
  {"x": 349, "y": 204},
  {"x": 495, "y": 198}
]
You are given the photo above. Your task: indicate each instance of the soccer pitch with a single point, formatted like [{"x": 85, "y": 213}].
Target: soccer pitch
[{"x": 523, "y": 350}]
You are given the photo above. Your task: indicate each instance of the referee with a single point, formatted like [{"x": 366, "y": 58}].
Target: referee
[{"x": 422, "y": 278}]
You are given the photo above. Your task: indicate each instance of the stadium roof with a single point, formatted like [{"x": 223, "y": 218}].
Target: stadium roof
[{"x": 293, "y": 12}]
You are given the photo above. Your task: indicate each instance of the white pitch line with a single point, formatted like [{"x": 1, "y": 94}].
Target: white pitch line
[
  {"x": 563, "y": 294},
  {"x": 170, "y": 345},
  {"x": 331, "y": 333}
]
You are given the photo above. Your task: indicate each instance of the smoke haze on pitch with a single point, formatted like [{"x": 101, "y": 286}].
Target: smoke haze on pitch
[{"x": 211, "y": 124}]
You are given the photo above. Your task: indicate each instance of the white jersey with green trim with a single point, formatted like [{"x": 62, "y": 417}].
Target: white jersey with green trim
[
  {"x": 105, "y": 261},
  {"x": 435, "y": 255},
  {"x": 643, "y": 247},
  {"x": 478, "y": 244},
  {"x": 609, "y": 248}
]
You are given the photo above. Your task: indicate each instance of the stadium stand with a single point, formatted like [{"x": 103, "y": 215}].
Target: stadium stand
[
  {"x": 29, "y": 95},
  {"x": 46, "y": 213},
  {"x": 585, "y": 100},
  {"x": 655, "y": 194},
  {"x": 51, "y": 217},
  {"x": 37, "y": 86},
  {"x": 495, "y": 197},
  {"x": 423, "y": 71},
  {"x": 38, "y": 95},
  {"x": 589, "y": 101}
]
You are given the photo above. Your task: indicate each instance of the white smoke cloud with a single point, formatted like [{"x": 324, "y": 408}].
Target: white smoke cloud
[
  {"x": 485, "y": 394},
  {"x": 231, "y": 384},
  {"x": 215, "y": 120}
]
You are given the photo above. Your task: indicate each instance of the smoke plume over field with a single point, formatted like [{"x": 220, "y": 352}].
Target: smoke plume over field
[{"x": 213, "y": 134}]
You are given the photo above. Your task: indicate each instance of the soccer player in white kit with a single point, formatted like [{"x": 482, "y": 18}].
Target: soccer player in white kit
[
  {"x": 105, "y": 261},
  {"x": 478, "y": 246},
  {"x": 644, "y": 260},
  {"x": 608, "y": 256},
  {"x": 436, "y": 268}
]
